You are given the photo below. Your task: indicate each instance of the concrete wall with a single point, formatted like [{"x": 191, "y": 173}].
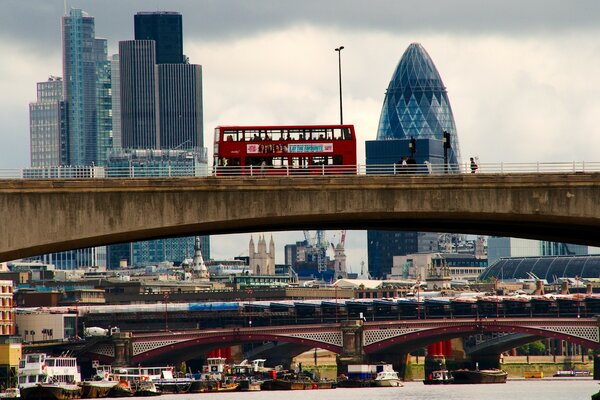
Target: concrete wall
[{"x": 43, "y": 216}]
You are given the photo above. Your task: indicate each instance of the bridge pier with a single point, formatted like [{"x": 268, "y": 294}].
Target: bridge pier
[
  {"x": 352, "y": 345},
  {"x": 123, "y": 347},
  {"x": 596, "y": 366}
]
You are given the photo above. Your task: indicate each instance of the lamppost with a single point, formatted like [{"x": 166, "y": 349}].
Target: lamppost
[
  {"x": 77, "y": 319},
  {"x": 336, "y": 304},
  {"x": 447, "y": 146},
  {"x": 166, "y": 297},
  {"x": 339, "y": 51},
  {"x": 250, "y": 306},
  {"x": 418, "y": 299}
]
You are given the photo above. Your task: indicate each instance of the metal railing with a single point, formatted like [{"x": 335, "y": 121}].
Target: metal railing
[{"x": 140, "y": 171}]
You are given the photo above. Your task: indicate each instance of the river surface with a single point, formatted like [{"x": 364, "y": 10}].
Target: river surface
[{"x": 512, "y": 390}]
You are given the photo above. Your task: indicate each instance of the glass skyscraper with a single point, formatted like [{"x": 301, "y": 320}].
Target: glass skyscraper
[
  {"x": 161, "y": 93},
  {"x": 48, "y": 125},
  {"x": 86, "y": 75},
  {"x": 416, "y": 103},
  {"x": 166, "y": 29},
  {"x": 416, "y": 106}
]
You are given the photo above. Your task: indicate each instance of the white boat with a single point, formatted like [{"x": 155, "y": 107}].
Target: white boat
[
  {"x": 162, "y": 377},
  {"x": 45, "y": 377},
  {"x": 10, "y": 394},
  {"x": 387, "y": 379},
  {"x": 100, "y": 384}
]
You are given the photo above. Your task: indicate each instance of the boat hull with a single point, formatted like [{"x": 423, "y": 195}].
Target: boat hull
[
  {"x": 283, "y": 384},
  {"x": 246, "y": 385},
  {"x": 51, "y": 392},
  {"x": 355, "y": 383},
  {"x": 96, "y": 390},
  {"x": 464, "y": 376},
  {"x": 388, "y": 383},
  {"x": 210, "y": 386}
]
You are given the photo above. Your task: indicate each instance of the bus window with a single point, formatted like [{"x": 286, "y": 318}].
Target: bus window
[{"x": 280, "y": 162}]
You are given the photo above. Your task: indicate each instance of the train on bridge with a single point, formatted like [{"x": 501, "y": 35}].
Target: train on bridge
[{"x": 271, "y": 313}]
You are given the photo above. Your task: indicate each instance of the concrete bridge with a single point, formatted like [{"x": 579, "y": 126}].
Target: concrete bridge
[
  {"x": 354, "y": 340},
  {"x": 42, "y": 216}
]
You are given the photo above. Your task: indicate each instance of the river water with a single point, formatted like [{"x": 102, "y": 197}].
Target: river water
[{"x": 577, "y": 389}]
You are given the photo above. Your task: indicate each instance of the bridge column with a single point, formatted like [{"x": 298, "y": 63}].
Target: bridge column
[
  {"x": 596, "y": 366},
  {"x": 122, "y": 343},
  {"x": 352, "y": 342}
]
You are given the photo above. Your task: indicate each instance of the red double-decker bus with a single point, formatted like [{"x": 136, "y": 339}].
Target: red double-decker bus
[{"x": 285, "y": 150}]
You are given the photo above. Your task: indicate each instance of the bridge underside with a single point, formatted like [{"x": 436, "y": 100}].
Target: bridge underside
[
  {"x": 414, "y": 341},
  {"x": 71, "y": 214},
  {"x": 373, "y": 338}
]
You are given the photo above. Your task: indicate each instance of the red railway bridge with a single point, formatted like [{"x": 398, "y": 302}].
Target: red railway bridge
[{"x": 354, "y": 340}]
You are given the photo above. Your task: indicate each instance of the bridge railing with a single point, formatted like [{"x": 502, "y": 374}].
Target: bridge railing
[{"x": 155, "y": 171}]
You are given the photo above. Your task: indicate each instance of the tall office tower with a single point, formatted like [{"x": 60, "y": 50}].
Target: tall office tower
[
  {"x": 104, "y": 116},
  {"x": 115, "y": 85},
  {"x": 161, "y": 109},
  {"x": 180, "y": 106},
  {"x": 416, "y": 103},
  {"x": 87, "y": 126},
  {"x": 137, "y": 59},
  {"x": 48, "y": 125},
  {"x": 86, "y": 74},
  {"x": 416, "y": 106},
  {"x": 166, "y": 29},
  {"x": 172, "y": 88}
]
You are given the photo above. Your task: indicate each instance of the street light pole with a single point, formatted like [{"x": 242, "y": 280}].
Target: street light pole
[
  {"x": 166, "y": 297},
  {"x": 339, "y": 51}
]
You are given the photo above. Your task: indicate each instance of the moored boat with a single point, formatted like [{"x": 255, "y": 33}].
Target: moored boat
[
  {"x": 10, "y": 394},
  {"x": 46, "y": 377},
  {"x": 439, "y": 377},
  {"x": 100, "y": 384},
  {"x": 248, "y": 385},
  {"x": 121, "y": 389},
  {"x": 388, "y": 379},
  {"x": 468, "y": 376},
  {"x": 146, "y": 389}
]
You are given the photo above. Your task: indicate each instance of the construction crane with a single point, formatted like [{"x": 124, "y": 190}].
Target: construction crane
[{"x": 318, "y": 245}]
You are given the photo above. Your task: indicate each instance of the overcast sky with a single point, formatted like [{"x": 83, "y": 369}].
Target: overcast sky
[{"x": 522, "y": 76}]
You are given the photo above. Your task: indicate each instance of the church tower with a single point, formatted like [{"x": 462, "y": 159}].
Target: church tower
[
  {"x": 339, "y": 262},
  {"x": 261, "y": 261}
]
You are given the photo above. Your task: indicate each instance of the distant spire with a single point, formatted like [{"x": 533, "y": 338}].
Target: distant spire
[{"x": 198, "y": 265}]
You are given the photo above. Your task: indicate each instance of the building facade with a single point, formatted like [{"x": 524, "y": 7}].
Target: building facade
[
  {"x": 504, "y": 247},
  {"x": 48, "y": 125},
  {"x": 137, "y": 62},
  {"x": 166, "y": 30}
]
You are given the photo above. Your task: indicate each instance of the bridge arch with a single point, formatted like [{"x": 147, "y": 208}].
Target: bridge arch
[
  {"x": 191, "y": 348},
  {"x": 587, "y": 336},
  {"x": 71, "y": 214}
]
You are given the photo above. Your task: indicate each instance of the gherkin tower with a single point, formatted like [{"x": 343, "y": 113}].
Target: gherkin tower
[
  {"x": 416, "y": 103},
  {"x": 415, "y": 106}
]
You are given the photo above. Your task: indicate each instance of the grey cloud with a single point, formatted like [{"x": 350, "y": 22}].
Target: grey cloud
[{"x": 36, "y": 23}]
